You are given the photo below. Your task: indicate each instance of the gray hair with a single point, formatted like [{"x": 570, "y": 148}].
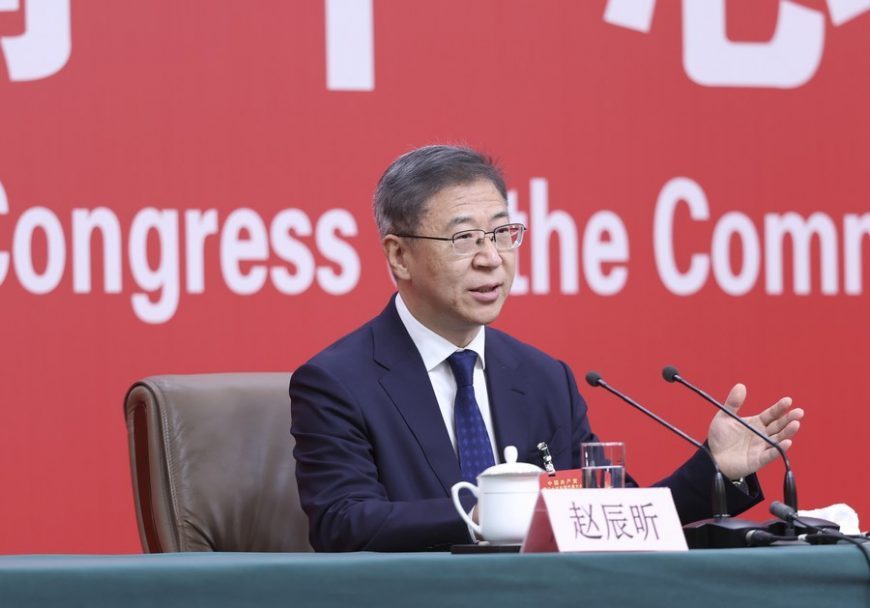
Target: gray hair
[{"x": 407, "y": 185}]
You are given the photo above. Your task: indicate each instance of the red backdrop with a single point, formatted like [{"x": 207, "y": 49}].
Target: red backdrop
[{"x": 186, "y": 188}]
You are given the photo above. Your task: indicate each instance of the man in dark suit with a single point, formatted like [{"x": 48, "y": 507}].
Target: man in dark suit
[{"x": 424, "y": 395}]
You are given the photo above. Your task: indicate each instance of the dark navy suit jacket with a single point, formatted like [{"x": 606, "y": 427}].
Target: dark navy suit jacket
[{"x": 374, "y": 462}]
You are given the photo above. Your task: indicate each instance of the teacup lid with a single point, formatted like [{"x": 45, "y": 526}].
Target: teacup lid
[{"x": 510, "y": 466}]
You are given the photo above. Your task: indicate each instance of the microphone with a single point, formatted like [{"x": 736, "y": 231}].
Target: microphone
[
  {"x": 784, "y": 512},
  {"x": 721, "y": 530},
  {"x": 670, "y": 374},
  {"x": 762, "y": 538},
  {"x": 789, "y": 515}
]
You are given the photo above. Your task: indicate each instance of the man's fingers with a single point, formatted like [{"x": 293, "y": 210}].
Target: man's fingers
[
  {"x": 785, "y": 418},
  {"x": 736, "y": 397},
  {"x": 775, "y": 411},
  {"x": 767, "y": 456},
  {"x": 787, "y": 432}
]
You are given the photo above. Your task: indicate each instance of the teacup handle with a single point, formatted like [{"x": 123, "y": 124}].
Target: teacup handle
[{"x": 454, "y": 491}]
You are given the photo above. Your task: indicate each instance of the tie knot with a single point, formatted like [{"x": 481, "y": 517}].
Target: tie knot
[{"x": 462, "y": 363}]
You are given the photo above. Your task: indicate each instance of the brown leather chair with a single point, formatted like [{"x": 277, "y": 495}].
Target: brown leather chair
[{"x": 212, "y": 463}]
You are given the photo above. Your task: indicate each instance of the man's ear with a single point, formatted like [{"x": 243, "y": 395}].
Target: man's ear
[{"x": 396, "y": 254}]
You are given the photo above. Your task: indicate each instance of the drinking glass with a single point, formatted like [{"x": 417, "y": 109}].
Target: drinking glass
[{"x": 603, "y": 464}]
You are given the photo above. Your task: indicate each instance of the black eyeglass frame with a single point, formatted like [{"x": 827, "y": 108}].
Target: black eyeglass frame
[{"x": 522, "y": 230}]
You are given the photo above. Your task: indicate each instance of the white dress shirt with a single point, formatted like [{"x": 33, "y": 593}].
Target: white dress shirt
[{"x": 434, "y": 350}]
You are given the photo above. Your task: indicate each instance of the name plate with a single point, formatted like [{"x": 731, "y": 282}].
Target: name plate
[{"x": 610, "y": 519}]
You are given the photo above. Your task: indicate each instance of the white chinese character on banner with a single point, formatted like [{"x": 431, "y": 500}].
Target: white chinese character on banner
[
  {"x": 45, "y": 45},
  {"x": 788, "y": 60}
]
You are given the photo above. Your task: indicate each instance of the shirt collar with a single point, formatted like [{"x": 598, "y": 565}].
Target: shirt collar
[{"x": 433, "y": 348}]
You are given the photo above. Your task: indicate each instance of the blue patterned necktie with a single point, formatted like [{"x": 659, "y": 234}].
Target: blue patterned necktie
[{"x": 472, "y": 440}]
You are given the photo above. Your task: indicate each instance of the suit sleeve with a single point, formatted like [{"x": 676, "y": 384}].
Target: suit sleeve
[
  {"x": 581, "y": 429},
  {"x": 692, "y": 488},
  {"x": 348, "y": 508}
]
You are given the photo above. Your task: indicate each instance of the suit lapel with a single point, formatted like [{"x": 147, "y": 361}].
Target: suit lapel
[
  {"x": 508, "y": 399},
  {"x": 407, "y": 384}
]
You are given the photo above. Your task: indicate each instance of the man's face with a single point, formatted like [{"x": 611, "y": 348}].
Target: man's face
[{"x": 452, "y": 294}]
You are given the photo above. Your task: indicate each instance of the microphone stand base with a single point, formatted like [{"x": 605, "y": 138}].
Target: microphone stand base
[
  {"x": 783, "y": 528},
  {"x": 719, "y": 532}
]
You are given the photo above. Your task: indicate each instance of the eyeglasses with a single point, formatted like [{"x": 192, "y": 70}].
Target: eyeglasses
[{"x": 466, "y": 242}]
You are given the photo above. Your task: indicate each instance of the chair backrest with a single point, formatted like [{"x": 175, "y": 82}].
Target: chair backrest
[{"x": 212, "y": 463}]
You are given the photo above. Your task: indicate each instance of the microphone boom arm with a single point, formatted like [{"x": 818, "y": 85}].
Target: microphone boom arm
[{"x": 670, "y": 374}]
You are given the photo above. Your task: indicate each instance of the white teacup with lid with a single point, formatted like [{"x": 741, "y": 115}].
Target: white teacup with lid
[{"x": 506, "y": 495}]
